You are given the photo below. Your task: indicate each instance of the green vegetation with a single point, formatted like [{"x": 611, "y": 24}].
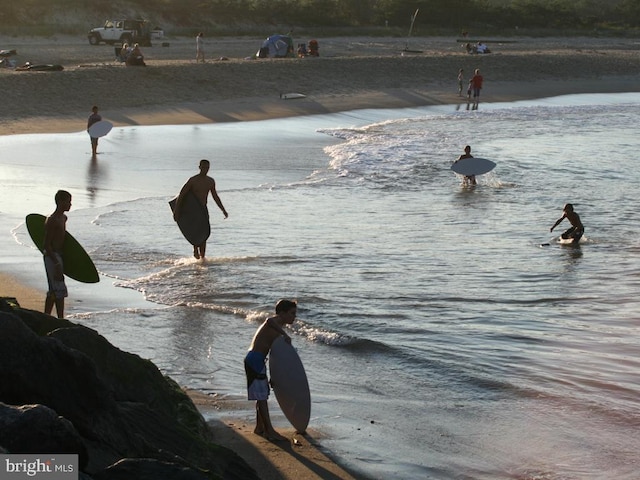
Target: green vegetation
[{"x": 388, "y": 17}]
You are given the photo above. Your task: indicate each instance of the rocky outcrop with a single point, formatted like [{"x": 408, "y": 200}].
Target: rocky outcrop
[{"x": 66, "y": 389}]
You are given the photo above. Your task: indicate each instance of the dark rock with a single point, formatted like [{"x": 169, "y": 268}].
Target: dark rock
[
  {"x": 38, "y": 429},
  {"x": 120, "y": 405}
]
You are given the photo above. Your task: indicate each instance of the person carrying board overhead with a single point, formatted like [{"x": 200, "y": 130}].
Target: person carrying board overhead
[
  {"x": 200, "y": 185},
  {"x": 577, "y": 229},
  {"x": 256, "y": 368}
]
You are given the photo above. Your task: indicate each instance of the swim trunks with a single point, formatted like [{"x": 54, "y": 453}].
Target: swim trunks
[
  {"x": 57, "y": 288},
  {"x": 255, "y": 368},
  {"x": 573, "y": 232}
]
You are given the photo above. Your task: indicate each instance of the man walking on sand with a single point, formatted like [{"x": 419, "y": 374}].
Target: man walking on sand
[
  {"x": 256, "y": 369},
  {"x": 200, "y": 184},
  {"x": 55, "y": 229}
]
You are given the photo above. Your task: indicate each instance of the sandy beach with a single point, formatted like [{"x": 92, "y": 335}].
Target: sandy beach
[{"x": 352, "y": 73}]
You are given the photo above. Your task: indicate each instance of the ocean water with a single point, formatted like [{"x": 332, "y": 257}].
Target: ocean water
[{"x": 445, "y": 333}]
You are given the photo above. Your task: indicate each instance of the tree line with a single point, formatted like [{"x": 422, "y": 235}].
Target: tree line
[{"x": 475, "y": 15}]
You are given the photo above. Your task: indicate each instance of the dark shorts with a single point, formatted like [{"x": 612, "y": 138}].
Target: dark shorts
[{"x": 573, "y": 232}]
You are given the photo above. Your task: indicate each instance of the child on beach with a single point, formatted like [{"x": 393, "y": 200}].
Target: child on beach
[
  {"x": 256, "y": 369},
  {"x": 460, "y": 81},
  {"x": 54, "y": 233}
]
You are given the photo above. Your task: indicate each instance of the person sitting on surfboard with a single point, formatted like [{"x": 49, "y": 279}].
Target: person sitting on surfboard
[
  {"x": 469, "y": 179},
  {"x": 200, "y": 184},
  {"x": 54, "y": 233},
  {"x": 255, "y": 364},
  {"x": 577, "y": 229}
]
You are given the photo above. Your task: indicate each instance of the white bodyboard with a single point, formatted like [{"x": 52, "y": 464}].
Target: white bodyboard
[
  {"x": 100, "y": 129},
  {"x": 473, "y": 166},
  {"x": 290, "y": 385},
  {"x": 292, "y": 96}
]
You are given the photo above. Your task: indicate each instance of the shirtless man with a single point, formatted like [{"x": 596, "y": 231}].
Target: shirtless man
[
  {"x": 54, "y": 232},
  {"x": 200, "y": 184},
  {"x": 577, "y": 229},
  {"x": 255, "y": 364},
  {"x": 469, "y": 179}
]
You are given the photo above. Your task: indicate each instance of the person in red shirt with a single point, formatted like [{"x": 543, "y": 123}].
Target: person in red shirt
[{"x": 476, "y": 84}]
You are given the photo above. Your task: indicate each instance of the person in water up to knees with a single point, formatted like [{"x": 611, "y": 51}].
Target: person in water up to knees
[
  {"x": 577, "y": 229},
  {"x": 256, "y": 368},
  {"x": 55, "y": 229},
  {"x": 200, "y": 184},
  {"x": 469, "y": 179}
]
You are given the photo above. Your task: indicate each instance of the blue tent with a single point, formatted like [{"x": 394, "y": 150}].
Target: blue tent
[{"x": 276, "y": 46}]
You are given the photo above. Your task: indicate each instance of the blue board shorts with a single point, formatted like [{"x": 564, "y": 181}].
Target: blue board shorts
[
  {"x": 57, "y": 288},
  {"x": 255, "y": 368}
]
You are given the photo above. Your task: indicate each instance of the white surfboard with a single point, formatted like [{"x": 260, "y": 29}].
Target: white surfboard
[
  {"x": 473, "y": 166},
  {"x": 290, "y": 385},
  {"x": 292, "y": 96},
  {"x": 100, "y": 129},
  {"x": 569, "y": 241}
]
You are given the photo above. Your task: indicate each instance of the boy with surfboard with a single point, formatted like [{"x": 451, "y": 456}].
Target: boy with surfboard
[
  {"x": 577, "y": 229},
  {"x": 200, "y": 185},
  {"x": 93, "y": 118},
  {"x": 54, "y": 234},
  {"x": 256, "y": 368},
  {"x": 468, "y": 179}
]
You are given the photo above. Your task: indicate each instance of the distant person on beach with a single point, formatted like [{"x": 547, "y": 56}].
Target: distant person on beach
[
  {"x": 55, "y": 228},
  {"x": 200, "y": 47},
  {"x": 124, "y": 52},
  {"x": 200, "y": 184},
  {"x": 476, "y": 84},
  {"x": 135, "y": 57},
  {"x": 470, "y": 179},
  {"x": 482, "y": 48},
  {"x": 577, "y": 229},
  {"x": 93, "y": 118},
  {"x": 460, "y": 81},
  {"x": 256, "y": 368}
]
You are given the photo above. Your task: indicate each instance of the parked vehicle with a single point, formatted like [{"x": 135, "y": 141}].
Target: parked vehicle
[{"x": 122, "y": 31}]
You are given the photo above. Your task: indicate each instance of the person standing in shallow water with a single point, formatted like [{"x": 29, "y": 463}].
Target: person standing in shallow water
[
  {"x": 55, "y": 229},
  {"x": 93, "y": 118},
  {"x": 256, "y": 368},
  {"x": 200, "y": 184},
  {"x": 469, "y": 179},
  {"x": 577, "y": 229}
]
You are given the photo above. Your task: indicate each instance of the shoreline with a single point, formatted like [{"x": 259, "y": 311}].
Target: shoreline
[{"x": 267, "y": 108}]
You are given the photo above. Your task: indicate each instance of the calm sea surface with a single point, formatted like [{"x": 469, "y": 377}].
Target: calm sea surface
[{"x": 441, "y": 339}]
